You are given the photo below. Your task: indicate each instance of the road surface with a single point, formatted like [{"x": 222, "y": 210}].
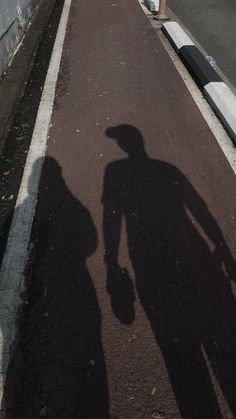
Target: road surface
[
  {"x": 212, "y": 23},
  {"x": 129, "y": 308}
]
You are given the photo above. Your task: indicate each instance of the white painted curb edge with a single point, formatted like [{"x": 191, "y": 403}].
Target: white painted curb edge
[
  {"x": 218, "y": 94},
  {"x": 153, "y": 5},
  {"x": 17, "y": 248},
  {"x": 177, "y": 34},
  {"x": 223, "y": 101}
]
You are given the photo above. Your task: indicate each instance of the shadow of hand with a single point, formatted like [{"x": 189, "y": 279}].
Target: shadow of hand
[{"x": 121, "y": 290}]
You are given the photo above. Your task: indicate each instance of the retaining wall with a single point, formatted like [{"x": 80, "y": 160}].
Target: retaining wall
[{"x": 14, "y": 18}]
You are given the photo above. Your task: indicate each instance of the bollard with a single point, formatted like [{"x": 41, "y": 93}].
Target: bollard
[{"x": 162, "y": 11}]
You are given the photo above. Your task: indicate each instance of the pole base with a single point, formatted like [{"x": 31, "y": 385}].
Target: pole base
[{"x": 162, "y": 18}]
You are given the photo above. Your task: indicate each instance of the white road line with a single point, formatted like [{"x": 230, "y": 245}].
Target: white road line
[
  {"x": 212, "y": 121},
  {"x": 16, "y": 254}
]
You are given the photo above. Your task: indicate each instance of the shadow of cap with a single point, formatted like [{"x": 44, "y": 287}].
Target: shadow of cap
[{"x": 128, "y": 137}]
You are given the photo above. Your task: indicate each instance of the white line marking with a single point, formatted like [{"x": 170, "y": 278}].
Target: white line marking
[
  {"x": 212, "y": 121},
  {"x": 16, "y": 254},
  {"x": 177, "y": 34}
]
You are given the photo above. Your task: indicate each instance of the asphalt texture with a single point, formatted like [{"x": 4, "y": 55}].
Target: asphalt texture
[
  {"x": 130, "y": 311},
  {"x": 212, "y": 23}
]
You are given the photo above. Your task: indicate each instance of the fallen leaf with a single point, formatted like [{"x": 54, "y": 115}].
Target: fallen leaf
[{"x": 154, "y": 390}]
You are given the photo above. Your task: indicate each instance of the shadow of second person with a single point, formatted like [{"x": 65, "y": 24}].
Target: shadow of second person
[
  {"x": 59, "y": 369},
  {"x": 180, "y": 282}
]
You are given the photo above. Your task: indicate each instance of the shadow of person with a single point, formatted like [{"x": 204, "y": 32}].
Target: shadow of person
[
  {"x": 181, "y": 284},
  {"x": 59, "y": 369}
]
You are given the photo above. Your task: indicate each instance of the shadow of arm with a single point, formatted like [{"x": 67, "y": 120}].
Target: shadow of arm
[{"x": 201, "y": 213}]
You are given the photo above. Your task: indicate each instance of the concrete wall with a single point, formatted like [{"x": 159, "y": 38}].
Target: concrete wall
[{"x": 14, "y": 18}]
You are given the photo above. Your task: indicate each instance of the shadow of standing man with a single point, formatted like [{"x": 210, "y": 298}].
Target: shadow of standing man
[{"x": 180, "y": 283}]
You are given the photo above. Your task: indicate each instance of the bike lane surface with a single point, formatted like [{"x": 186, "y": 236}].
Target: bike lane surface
[{"x": 132, "y": 172}]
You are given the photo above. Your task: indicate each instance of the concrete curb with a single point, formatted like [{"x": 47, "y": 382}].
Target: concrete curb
[
  {"x": 153, "y": 5},
  {"x": 218, "y": 94}
]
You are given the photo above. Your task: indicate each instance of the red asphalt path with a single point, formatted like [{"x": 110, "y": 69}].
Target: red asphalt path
[{"x": 163, "y": 347}]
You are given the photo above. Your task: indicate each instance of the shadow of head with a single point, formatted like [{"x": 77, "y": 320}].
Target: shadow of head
[
  {"x": 65, "y": 214},
  {"x": 50, "y": 165},
  {"x": 128, "y": 139}
]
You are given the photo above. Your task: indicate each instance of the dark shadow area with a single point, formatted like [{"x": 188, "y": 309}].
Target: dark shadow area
[
  {"x": 58, "y": 370},
  {"x": 120, "y": 287},
  {"x": 182, "y": 285}
]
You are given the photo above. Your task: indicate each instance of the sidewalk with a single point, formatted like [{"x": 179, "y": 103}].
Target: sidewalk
[{"x": 133, "y": 172}]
